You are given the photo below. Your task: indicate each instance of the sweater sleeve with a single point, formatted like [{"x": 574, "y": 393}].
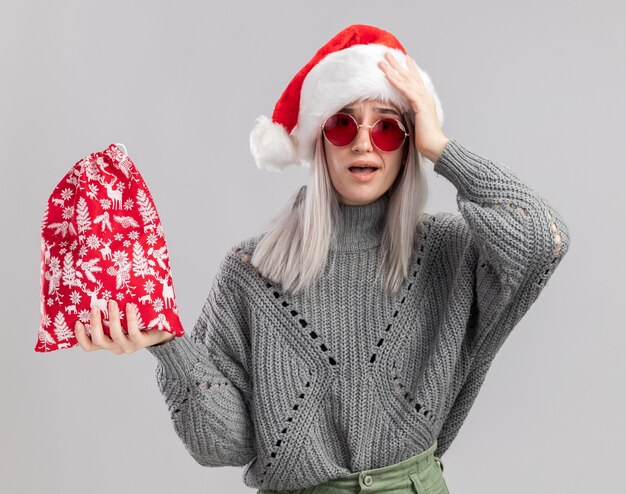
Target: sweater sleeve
[
  {"x": 516, "y": 237},
  {"x": 204, "y": 380}
]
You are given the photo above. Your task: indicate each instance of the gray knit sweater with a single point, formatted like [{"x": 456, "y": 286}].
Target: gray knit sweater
[{"x": 303, "y": 390}]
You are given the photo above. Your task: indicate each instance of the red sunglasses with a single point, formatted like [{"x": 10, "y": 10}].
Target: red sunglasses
[{"x": 387, "y": 134}]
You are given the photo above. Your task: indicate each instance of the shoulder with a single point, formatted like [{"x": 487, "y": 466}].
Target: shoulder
[
  {"x": 439, "y": 224},
  {"x": 235, "y": 264},
  {"x": 451, "y": 234},
  {"x": 450, "y": 224},
  {"x": 243, "y": 249}
]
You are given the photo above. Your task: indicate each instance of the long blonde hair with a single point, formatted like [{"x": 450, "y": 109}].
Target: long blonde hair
[{"x": 294, "y": 248}]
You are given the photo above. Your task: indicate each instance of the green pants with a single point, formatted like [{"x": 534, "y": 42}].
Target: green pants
[{"x": 419, "y": 474}]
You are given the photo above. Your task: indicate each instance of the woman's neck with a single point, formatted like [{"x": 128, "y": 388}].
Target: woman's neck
[{"x": 360, "y": 226}]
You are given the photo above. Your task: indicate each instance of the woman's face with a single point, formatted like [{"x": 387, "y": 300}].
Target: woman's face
[{"x": 354, "y": 188}]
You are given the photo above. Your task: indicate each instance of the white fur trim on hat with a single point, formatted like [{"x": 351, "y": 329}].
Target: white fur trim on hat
[
  {"x": 273, "y": 149},
  {"x": 340, "y": 78}
]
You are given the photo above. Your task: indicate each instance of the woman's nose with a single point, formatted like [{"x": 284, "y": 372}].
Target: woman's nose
[{"x": 362, "y": 141}]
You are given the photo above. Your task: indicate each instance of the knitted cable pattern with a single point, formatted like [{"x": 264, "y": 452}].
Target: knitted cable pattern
[{"x": 302, "y": 390}]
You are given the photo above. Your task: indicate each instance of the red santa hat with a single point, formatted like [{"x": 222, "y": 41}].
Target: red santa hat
[
  {"x": 102, "y": 239},
  {"x": 342, "y": 71}
]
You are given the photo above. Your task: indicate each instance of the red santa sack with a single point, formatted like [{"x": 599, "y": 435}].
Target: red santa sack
[{"x": 101, "y": 239}]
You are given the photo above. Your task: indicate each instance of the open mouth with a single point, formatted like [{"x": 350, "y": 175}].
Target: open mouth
[{"x": 362, "y": 170}]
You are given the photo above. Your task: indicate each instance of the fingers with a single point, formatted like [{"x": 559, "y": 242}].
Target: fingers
[
  {"x": 400, "y": 71},
  {"x": 97, "y": 333},
  {"x": 124, "y": 345},
  {"x": 415, "y": 71},
  {"x": 396, "y": 73},
  {"x": 392, "y": 76},
  {"x": 412, "y": 66},
  {"x": 86, "y": 341},
  {"x": 392, "y": 60},
  {"x": 395, "y": 64},
  {"x": 131, "y": 322},
  {"x": 386, "y": 67},
  {"x": 83, "y": 340},
  {"x": 119, "y": 342}
]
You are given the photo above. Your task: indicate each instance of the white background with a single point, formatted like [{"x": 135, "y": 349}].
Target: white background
[{"x": 535, "y": 85}]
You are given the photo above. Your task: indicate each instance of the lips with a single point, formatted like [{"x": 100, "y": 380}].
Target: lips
[
  {"x": 364, "y": 163},
  {"x": 362, "y": 169}
]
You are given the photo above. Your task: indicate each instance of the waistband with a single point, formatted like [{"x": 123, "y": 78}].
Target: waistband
[{"x": 391, "y": 473}]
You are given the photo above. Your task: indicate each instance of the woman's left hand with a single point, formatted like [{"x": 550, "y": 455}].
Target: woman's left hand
[{"x": 429, "y": 138}]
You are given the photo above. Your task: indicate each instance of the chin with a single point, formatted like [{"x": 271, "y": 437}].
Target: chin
[{"x": 360, "y": 197}]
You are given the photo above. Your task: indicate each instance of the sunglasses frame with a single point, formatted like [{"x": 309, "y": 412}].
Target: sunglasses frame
[{"x": 358, "y": 126}]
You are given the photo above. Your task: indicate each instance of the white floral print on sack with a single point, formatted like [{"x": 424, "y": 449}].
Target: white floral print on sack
[{"x": 102, "y": 239}]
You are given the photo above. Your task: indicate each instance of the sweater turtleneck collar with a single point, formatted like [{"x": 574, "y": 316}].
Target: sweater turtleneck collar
[{"x": 360, "y": 226}]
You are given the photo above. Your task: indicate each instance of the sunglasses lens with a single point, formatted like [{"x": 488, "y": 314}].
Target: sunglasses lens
[
  {"x": 340, "y": 129},
  {"x": 388, "y": 135}
]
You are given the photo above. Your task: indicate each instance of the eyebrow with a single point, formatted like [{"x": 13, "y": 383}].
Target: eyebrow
[{"x": 346, "y": 109}]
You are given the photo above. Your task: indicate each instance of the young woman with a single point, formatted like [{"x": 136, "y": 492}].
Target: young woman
[{"x": 341, "y": 349}]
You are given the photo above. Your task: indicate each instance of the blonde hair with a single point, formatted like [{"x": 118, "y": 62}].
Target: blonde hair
[{"x": 294, "y": 248}]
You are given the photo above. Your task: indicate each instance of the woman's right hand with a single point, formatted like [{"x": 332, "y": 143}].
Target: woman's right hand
[{"x": 119, "y": 342}]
